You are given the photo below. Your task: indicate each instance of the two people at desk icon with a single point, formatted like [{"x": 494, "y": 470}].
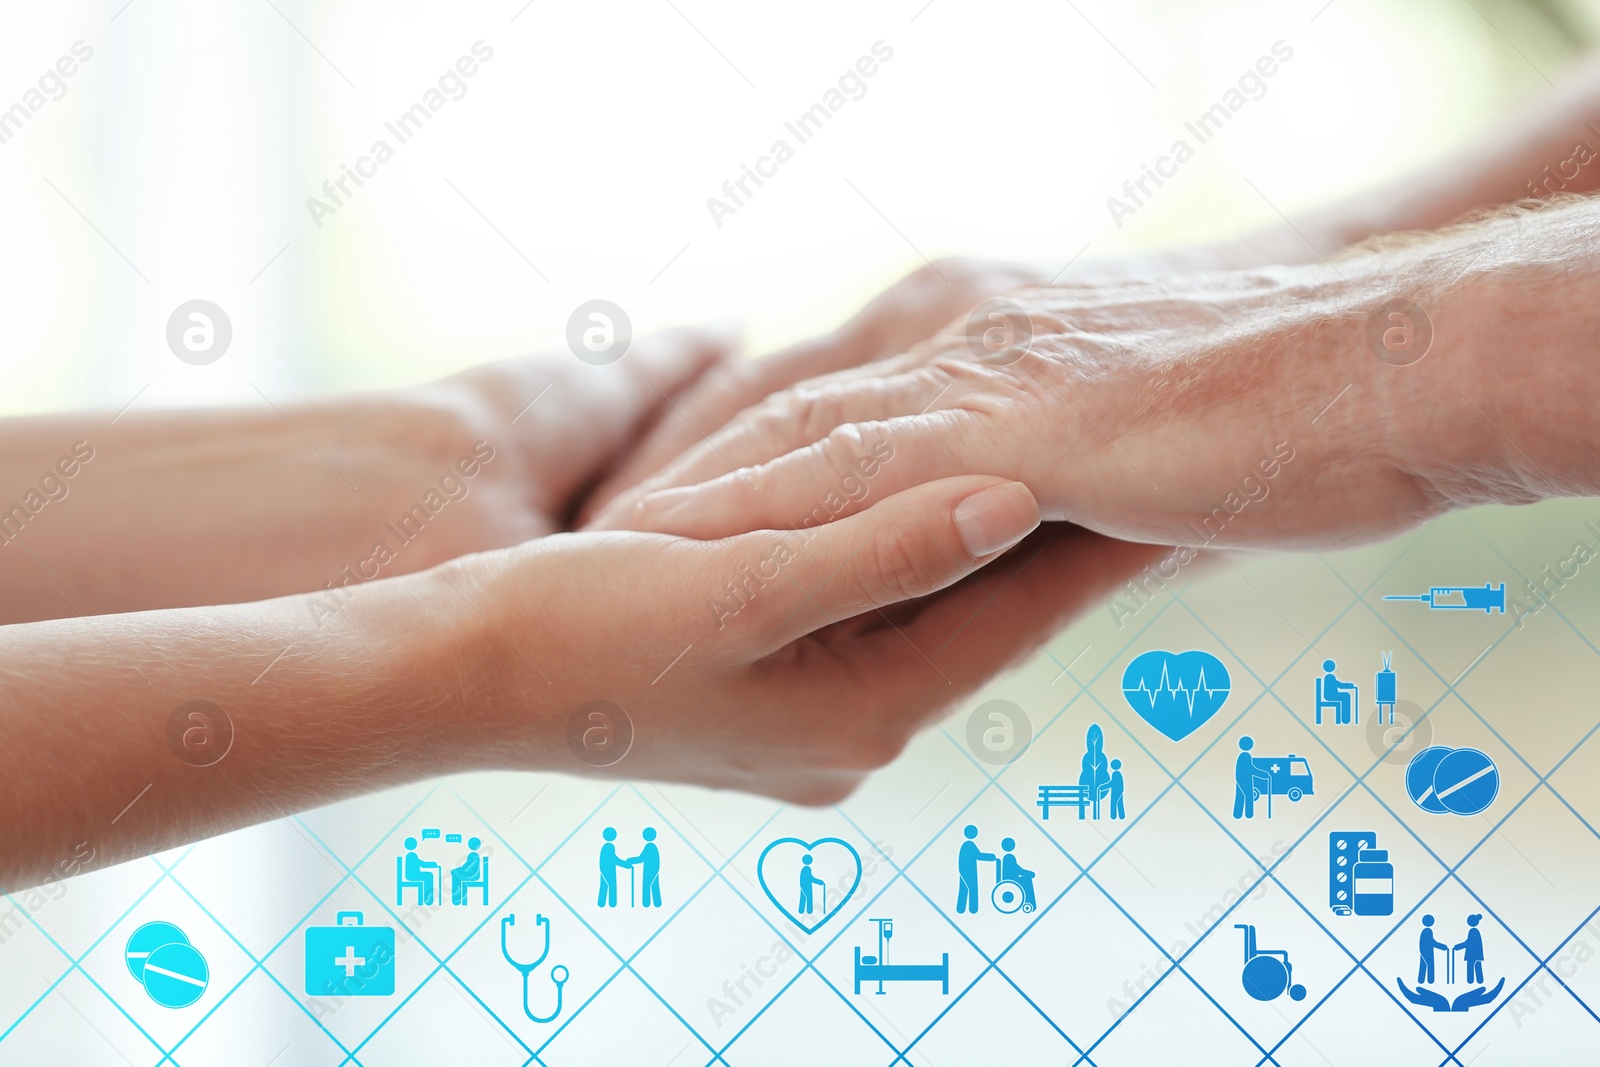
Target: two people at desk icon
[
  {"x": 425, "y": 876},
  {"x": 647, "y": 864},
  {"x": 1013, "y": 887}
]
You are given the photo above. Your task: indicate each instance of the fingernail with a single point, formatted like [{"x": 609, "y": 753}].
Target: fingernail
[
  {"x": 666, "y": 499},
  {"x": 996, "y": 518}
]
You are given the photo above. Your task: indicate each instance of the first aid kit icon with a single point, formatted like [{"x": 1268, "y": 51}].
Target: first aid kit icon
[{"x": 349, "y": 959}]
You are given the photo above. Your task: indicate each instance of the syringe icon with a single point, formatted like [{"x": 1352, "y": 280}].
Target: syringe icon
[{"x": 1462, "y": 598}]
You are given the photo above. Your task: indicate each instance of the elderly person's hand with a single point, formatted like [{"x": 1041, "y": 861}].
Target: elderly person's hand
[
  {"x": 1256, "y": 408},
  {"x": 911, "y": 310}
]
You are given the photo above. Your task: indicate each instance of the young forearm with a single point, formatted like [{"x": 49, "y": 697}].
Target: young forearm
[
  {"x": 129, "y": 734},
  {"x": 185, "y": 508}
]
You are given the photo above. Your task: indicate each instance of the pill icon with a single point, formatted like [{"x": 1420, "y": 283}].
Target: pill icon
[
  {"x": 176, "y": 975},
  {"x": 146, "y": 940},
  {"x": 172, "y": 971},
  {"x": 1466, "y": 781},
  {"x": 1454, "y": 781}
]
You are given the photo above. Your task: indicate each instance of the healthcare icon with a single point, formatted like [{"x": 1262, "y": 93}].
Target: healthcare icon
[
  {"x": 1269, "y": 776},
  {"x": 349, "y": 959},
  {"x": 1455, "y": 781},
  {"x": 1471, "y": 948},
  {"x": 426, "y": 877},
  {"x": 644, "y": 871},
  {"x": 558, "y": 974},
  {"x": 1384, "y": 683},
  {"x": 878, "y": 968},
  {"x": 1100, "y": 785},
  {"x": 1338, "y": 696},
  {"x": 1013, "y": 883},
  {"x": 1461, "y": 598},
  {"x": 1360, "y": 876},
  {"x": 1267, "y": 973},
  {"x": 809, "y": 881},
  {"x": 171, "y": 970},
  {"x": 1176, "y": 692}
]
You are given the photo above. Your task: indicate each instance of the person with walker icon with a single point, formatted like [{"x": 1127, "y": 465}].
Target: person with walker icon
[
  {"x": 808, "y": 882},
  {"x": 1471, "y": 950}
]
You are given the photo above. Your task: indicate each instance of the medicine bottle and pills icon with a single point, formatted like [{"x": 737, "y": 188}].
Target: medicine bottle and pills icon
[
  {"x": 1452, "y": 781},
  {"x": 172, "y": 971},
  {"x": 1360, "y": 876}
]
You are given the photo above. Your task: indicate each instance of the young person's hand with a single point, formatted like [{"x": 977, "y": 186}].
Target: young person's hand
[
  {"x": 191, "y": 507},
  {"x": 788, "y": 663},
  {"x": 773, "y": 662}
]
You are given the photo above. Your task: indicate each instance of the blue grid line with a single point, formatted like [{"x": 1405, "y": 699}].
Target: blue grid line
[
  {"x": 1452, "y": 871},
  {"x": 809, "y": 962},
  {"x": 441, "y": 963},
  {"x": 1542, "y": 963},
  {"x": 989, "y": 963},
  {"x": 1177, "y": 598},
  {"x": 260, "y": 964},
  {"x": 1359, "y": 782},
  {"x": 628, "y": 961},
  {"x": 76, "y": 964}
]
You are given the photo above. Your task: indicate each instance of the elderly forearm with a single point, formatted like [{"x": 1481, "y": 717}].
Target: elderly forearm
[{"x": 1506, "y": 408}]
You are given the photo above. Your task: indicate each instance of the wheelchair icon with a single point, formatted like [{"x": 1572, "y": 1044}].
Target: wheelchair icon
[{"x": 1009, "y": 897}]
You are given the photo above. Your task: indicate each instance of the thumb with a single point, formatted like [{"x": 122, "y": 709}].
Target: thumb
[{"x": 906, "y": 546}]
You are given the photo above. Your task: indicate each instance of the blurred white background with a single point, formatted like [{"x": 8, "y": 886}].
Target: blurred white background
[{"x": 179, "y": 160}]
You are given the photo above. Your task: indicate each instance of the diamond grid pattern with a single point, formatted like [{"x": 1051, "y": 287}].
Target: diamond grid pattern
[{"x": 992, "y": 976}]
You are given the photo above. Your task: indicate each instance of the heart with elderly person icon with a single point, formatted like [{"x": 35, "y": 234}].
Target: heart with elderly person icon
[{"x": 809, "y": 881}]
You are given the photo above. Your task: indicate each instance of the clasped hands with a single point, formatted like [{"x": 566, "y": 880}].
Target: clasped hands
[
  {"x": 846, "y": 515},
  {"x": 778, "y": 570}
]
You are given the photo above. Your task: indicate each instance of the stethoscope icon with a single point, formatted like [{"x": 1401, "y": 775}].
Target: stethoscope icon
[{"x": 558, "y": 973}]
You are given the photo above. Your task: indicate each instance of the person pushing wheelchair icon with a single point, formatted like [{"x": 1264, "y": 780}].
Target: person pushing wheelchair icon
[{"x": 1013, "y": 886}]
